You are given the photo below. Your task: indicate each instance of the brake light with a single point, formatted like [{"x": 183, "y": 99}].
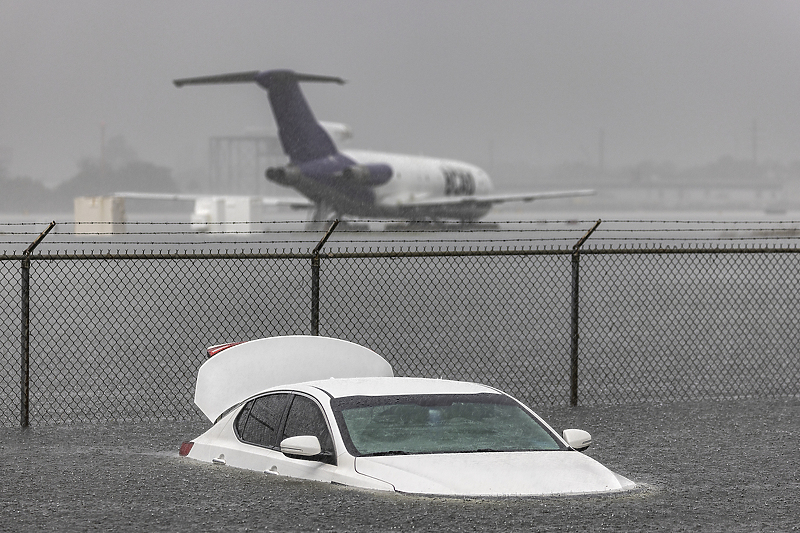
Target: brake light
[
  {"x": 214, "y": 350},
  {"x": 186, "y": 447}
]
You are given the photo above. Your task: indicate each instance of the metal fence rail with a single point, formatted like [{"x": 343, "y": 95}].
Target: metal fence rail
[{"x": 119, "y": 336}]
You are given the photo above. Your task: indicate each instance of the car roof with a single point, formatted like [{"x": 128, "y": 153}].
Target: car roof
[{"x": 393, "y": 386}]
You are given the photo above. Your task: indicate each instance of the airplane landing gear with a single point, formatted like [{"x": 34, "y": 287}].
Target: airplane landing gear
[{"x": 321, "y": 218}]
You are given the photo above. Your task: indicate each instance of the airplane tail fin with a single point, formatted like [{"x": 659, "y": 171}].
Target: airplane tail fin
[{"x": 302, "y": 137}]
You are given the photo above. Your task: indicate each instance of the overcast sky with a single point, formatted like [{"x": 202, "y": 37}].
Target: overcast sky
[{"x": 509, "y": 81}]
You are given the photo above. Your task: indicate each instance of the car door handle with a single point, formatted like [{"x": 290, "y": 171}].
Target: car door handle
[{"x": 218, "y": 460}]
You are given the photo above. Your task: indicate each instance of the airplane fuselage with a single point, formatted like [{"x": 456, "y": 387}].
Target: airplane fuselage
[
  {"x": 390, "y": 185},
  {"x": 417, "y": 179}
]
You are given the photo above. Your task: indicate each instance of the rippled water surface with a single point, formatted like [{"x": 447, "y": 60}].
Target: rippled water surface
[{"x": 717, "y": 466}]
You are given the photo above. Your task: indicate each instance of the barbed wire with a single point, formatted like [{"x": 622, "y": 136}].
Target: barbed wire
[{"x": 496, "y": 234}]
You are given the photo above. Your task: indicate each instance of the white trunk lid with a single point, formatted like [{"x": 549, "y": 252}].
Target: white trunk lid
[{"x": 239, "y": 372}]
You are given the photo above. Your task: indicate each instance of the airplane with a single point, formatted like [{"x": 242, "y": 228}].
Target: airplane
[{"x": 362, "y": 184}]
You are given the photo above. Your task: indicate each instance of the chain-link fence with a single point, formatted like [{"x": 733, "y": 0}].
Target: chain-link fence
[{"x": 119, "y": 336}]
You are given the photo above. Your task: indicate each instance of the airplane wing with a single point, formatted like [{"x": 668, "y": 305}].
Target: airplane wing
[
  {"x": 156, "y": 196},
  {"x": 269, "y": 201},
  {"x": 491, "y": 199}
]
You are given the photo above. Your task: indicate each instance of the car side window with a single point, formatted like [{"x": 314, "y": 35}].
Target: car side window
[
  {"x": 259, "y": 420},
  {"x": 306, "y": 418}
]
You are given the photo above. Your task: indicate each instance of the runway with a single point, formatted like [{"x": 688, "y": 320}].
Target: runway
[{"x": 288, "y": 230}]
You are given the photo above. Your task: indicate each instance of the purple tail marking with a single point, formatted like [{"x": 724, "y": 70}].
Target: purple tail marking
[{"x": 302, "y": 138}]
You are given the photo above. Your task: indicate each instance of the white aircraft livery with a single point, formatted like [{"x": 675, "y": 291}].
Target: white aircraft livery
[{"x": 366, "y": 184}]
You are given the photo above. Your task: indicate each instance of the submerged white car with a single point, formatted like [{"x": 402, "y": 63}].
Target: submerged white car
[{"x": 329, "y": 410}]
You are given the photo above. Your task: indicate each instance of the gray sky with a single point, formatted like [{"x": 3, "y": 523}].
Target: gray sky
[{"x": 510, "y": 81}]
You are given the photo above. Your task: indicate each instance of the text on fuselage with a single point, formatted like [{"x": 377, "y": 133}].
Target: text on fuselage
[{"x": 458, "y": 182}]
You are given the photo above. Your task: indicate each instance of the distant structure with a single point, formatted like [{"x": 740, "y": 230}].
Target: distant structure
[
  {"x": 97, "y": 215},
  {"x": 236, "y": 163}
]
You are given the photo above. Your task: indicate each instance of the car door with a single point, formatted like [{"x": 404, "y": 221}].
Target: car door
[
  {"x": 305, "y": 417},
  {"x": 257, "y": 427}
]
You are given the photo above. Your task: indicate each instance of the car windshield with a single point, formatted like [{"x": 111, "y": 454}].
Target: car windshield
[{"x": 442, "y": 423}]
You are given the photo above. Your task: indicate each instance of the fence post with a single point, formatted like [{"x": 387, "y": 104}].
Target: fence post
[
  {"x": 315, "y": 279},
  {"x": 24, "y": 420},
  {"x": 576, "y": 260}
]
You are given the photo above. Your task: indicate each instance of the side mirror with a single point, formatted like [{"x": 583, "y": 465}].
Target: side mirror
[
  {"x": 577, "y": 438},
  {"x": 305, "y": 445}
]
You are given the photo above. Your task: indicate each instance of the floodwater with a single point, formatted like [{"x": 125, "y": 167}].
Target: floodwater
[{"x": 716, "y": 466}]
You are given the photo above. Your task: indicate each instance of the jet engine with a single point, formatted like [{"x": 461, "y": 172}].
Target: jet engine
[
  {"x": 284, "y": 175},
  {"x": 370, "y": 175}
]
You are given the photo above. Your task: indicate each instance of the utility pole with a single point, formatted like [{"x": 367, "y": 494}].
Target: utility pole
[{"x": 601, "y": 149}]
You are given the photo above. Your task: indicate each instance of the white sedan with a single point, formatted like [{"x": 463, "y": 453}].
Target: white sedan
[{"x": 329, "y": 410}]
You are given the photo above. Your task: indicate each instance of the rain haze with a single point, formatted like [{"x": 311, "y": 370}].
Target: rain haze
[
  {"x": 689, "y": 329},
  {"x": 520, "y": 84}
]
